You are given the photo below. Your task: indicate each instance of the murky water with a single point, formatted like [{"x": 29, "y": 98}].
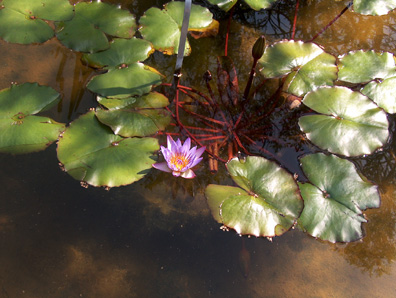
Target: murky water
[{"x": 156, "y": 238}]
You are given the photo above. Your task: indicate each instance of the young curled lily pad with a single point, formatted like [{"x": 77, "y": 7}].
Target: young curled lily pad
[
  {"x": 21, "y": 131},
  {"x": 126, "y": 76},
  {"x": 266, "y": 203},
  {"x": 365, "y": 66},
  {"x": 143, "y": 116},
  {"x": 382, "y": 93},
  {"x": 306, "y": 65},
  {"x": 92, "y": 153},
  {"x": 86, "y": 32},
  {"x": 163, "y": 27},
  {"x": 333, "y": 203},
  {"x": 22, "y": 21},
  {"x": 370, "y": 7},
  {"x": 349, "y": 123}
]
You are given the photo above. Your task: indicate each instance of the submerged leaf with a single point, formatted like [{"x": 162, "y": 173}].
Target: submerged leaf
[
  {"x": 333, "y": 203},
  {"x": 349, "y": 123},
  {"x": 266, "y": 203},
  {"x": 92, "y": 153}
]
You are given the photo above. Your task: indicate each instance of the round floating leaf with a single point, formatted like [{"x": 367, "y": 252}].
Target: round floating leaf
[
  {"x": 86, "y": 32},
  {"x": 350, "y": 124},
  {"x": 136, "y": 79},
  {"x": 92, "y": 153},
  {"x": 333, "y": 203},
  {"x": 259, "y": 4},
  {"x": 162, "y": 27},
  {"x": 267, "y": 204},
  {"x": 285, "y": 56},
  {"x": 225, "y": 5},
  {"x": 121, "y": 52},
  {"x": 370, "y": 7},
  {"x": 21, "y": 21},
  {"x": 152, "y": 100},
  {"x": 20, "y": 131},
  {"x": 361, "y": 67},
  {"x": 382, "y": 93},
  {"x": 143, "y": 117},
  {"x": 320, "y": 71}
]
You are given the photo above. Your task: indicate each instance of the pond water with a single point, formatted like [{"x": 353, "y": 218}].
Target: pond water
[{"x": 156, "y": 237}]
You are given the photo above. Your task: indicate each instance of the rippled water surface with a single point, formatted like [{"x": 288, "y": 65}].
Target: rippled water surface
[{"x": 156, "y": 238}]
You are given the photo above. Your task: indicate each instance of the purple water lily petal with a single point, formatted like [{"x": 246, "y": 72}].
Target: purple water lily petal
[
  {"x": 189, "y": 174},
  {"x": 162, "y": 166}
]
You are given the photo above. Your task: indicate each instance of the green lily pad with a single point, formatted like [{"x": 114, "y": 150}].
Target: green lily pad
[
  {"x": 225, "y": 5},
  {"x": 333, "y": 203},
  {"x": 121, "y": 52},
  {"x": 86, "y": 32},
  {"x": 362, "y": 67},
  {"x": 260, "y": 4},
  {"x": 306, "y": 65},
  {"x": 143, "y": 116},
  {"x": 21, "y": 132},
  {"x": 126, "y": 76},
  {"x": 350, "y": 123},
  {"x": 266, "y": 203},
  {"x": 136, "y": 79},
  {"x": 21, "y": 21},
  {"x": 92, "y": 153},
  {"x": 382, "y": 93},
  {"x": 162, "y": 27},
  {"x": 370, "y": 7}
]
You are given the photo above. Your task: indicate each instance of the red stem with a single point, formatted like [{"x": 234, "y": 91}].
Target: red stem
[
  {"x": 228, "y": 31},
  {"x": 295, "y": 19}
]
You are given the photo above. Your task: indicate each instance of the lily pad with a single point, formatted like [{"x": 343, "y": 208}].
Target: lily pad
[
  {"x": 370, "y": 7},
  {"x": 306, "y": 65},
  {"x": 162, "y": 27},
  {"x": 22, "y": 21},
  {"x": 333, "y": 203},
  {"x": 260, "y": 4},
  {"x": 225, "y": 5},
  {"x": 382, "y": 93},
  {"x": 92, "y": 153},
  {"x": 350, "y": 123},
  {"x": 136, "y": 79},
  {"x": 21, "y": 132},
  {"x": 86, "y": 32},
  {"x": 266, "y": 203},
  {"x": 144, "y": 116},
  {"x": 362, "y": 67}
]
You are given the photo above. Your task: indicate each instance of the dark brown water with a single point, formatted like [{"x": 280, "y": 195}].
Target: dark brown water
[{"x": 156, "y": 238}]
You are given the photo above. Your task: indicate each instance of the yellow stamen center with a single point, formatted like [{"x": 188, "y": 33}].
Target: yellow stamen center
[{"x": 179, "y": 161}]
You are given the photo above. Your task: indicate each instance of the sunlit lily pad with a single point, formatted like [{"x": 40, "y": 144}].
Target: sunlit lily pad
[
  {"x": 162, "y": 27},
  {"x": 225, "y": 5},
  {"x": 22, "y": 21},
  {"x": 370, "y": 7},
  {"x": 266, "y": 203},
  {"x": 362, "y": 67},
  {"x": 86, "y": 32},
  {"x": 143, "y": 116},
  {"x": 382, "y": 93},
  {"x": 333, "y": 203},
  {"x": 350, "y": 123},
  {"x": 92, "y": 153},
  {"x": 126, "y": 76},
  {"x": 260, "y": 4},
  {"x": 21, "y": 132},
  {"x": 306, "y": 65}
]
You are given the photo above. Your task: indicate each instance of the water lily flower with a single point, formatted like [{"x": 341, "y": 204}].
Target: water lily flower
[{"x": 180, "y": 158}]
